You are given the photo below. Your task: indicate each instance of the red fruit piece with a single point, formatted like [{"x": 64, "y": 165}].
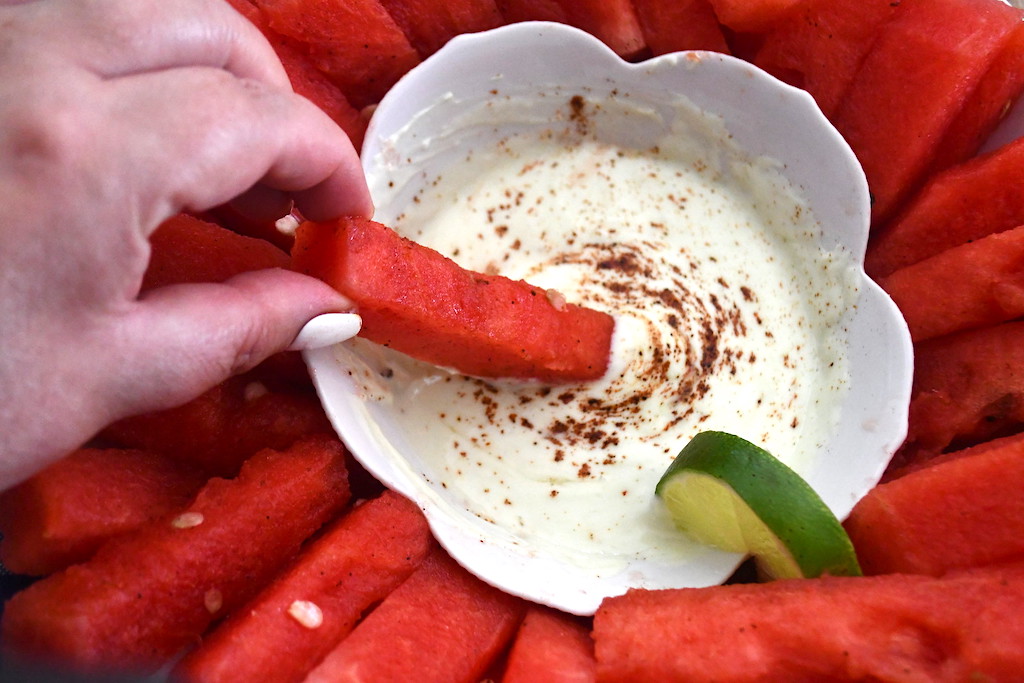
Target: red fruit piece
[
  {"x": 416, "y": 301},
  {"x": 442, "y": 625},
  {"x": 674, "y": 25},
  {"x": 968, "y": 388},
  {"x": 963, "y": 203},
  {"x": 965, "y": 512},
  {"x": 62, "y": 515},
  {"x": 188, "y": 249},
  {"x": 819, "y": 46},
  {"x": 879, "y": 628},
  {"x": 355, "y": 42},
  {"x": 306, "y": 79},
  {"x": 347, "y": 570},
  {"x": 532, "y": 10},
  {"x": 551, "y": 646},
  {"x": 220, "y": 429},
  {"x": 752, "y": 16},
  {"x": 429, "y": 24},
  {"x": 612, "y": 21},
  {"x": 970, "y": 286},
  {"x": 922, "y": 70},
  {"x": 145, "y": 596},
  {"x": 894, "y": 472},
  {"x": 992, "y": 99}
]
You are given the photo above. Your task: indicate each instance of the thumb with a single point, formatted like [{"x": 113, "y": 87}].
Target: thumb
[{"x": 180, "y": 340}]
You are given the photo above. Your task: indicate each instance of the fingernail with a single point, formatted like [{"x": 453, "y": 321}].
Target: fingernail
[{"x": 326, "y": 330}]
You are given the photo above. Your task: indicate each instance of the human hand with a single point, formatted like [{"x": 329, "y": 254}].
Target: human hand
[{"x": 114, "y": 115}]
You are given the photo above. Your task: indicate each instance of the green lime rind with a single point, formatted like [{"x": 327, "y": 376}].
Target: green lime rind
[{"x": 810, "y": 540}]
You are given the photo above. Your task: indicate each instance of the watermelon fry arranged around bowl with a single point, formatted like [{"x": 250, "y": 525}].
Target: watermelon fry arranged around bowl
[{"x": 915, "y": 88}]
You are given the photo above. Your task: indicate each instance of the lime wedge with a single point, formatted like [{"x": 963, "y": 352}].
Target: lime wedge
[{"x": 728, "y": 493}]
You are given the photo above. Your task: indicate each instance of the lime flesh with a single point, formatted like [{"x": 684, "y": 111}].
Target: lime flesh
[{"x": 731, "y": 494}]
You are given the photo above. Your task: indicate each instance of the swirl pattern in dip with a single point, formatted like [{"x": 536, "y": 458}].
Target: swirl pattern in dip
[{"x": 725, "y": 305}]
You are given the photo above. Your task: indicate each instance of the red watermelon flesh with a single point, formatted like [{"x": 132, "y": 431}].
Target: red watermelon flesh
[
  {"x": 420, "y": 303},
  {"x": 146, "y": 595},
  {"x": 62, "y": 515},
  {"x": 675, "y": 25},
  {"x": 968, "y": 388},
  {"x": 429, "y": 24},
  {"x": 442, "y": 625},
  {"x": 821, "y": 44},
  {"x": 305, "y": 78},
  {"x": 880, "y": 628},
  {"x": 188, "y": 249},
  {"x": 894, "y": 473},
  {"x": 355, "y": 42},
  {"x": 997, "y": 92},
  {"x": 231, "y": 217},
  {"x": 752, "y": 16},
  {"x": 612, "y": 21},
  {"x": 923, "y": 67},
  {"x": 551, "y": 646},
  {"x": 965, "y": 512},
  {"x": 347, "y": 570},
  {"x": 974, "y": 285},
  {"x": 532, "y": 10},
  {"x": 218, "y": 430},
  {"x": 963, "y": 203},
  {"x": 312, "y": 84}
]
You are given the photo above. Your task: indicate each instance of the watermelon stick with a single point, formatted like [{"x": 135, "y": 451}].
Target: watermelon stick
[
  {"x": 551, "y": 646},
  {"x": 964, "y": 203},
  {"x": 896, "y": 627},
  {"x": 442, "y": 625},
  {"x": 974, "y": 285},
  {"x": 62, "y": 515},
  {"x": 965, "y": 512},
  {"x": 147, "y": 595},
  {"x": 282, "y": 633},
  {"x": 416, "y": 301},
  {"x": 968, "y": 388}
]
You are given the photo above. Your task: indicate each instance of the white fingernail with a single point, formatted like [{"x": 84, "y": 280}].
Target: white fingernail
[{"x": 326, "y": 330}]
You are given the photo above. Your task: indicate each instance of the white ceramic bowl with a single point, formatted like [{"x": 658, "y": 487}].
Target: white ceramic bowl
[{"x": 542, "y": 62}]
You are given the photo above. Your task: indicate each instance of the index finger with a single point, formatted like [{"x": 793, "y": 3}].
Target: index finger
[
  {"x": 114, "y": 38},
  {"x": 196, "y": 138}
]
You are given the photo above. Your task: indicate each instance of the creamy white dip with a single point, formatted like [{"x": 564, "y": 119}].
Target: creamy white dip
[{"x": 725, "y": 308}]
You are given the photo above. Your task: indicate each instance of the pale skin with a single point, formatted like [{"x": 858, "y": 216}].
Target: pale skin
[{"x": 114, "y": 115}]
